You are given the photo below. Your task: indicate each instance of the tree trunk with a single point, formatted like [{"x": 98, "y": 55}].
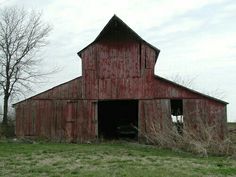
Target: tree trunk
[{"x": 5, "y": 110}]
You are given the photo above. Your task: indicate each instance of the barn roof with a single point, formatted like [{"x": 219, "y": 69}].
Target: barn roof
[
  {"x": 156, "y": 77},
  {"x": 64, "y": 83},
  {"x": 117, "y": 29},
  {"x": 191, "y": 90},
  {"x": 112, "y": 28}
]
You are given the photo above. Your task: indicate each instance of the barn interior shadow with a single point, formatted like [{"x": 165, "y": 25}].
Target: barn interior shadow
[{"x": 118, "y": 119}]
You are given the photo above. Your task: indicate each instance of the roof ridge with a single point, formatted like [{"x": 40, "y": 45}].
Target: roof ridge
[{"x": 115, "y": 17}]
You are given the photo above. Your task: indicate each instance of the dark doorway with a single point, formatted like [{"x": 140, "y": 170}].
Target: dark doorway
[
  {"x": 118, "y": 119},
  {"x": 177, "y": 114}
]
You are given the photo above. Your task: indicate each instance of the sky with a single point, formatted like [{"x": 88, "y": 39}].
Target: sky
[{"x": 197, "y": 38}]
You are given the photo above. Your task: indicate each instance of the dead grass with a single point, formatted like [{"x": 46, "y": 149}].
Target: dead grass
[
  {"x": 232, "y": 132},
  {"x": 203, "y": 140}
]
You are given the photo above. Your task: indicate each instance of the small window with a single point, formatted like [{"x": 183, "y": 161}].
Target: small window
[{"x": 177, "y": 114}]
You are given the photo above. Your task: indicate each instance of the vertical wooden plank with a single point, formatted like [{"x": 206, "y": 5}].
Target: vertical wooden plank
[
  {"x": 195, "y": 114},
  {"x": 150, "y": 58},
  {"x": 157, "y": 116},
  {"x": 105, "y": 88},
  {"x": 136, "y": 60},
  {"x": 81, "y": 118},
  {"x": 33, "y": 105},
  {"x": 141, "y": 120},
  {"x": 95, "y": 125}
]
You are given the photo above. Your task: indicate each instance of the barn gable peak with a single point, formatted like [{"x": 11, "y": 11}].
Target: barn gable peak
[{"x": 117, "y": 30}]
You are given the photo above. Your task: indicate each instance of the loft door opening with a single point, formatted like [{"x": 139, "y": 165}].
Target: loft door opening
[{"x": 118, "y": 119}]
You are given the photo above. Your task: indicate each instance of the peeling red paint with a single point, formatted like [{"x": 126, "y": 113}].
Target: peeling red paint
[{"x": 113, "y": 69}]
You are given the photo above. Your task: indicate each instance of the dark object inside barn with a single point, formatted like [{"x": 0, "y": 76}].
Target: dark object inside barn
[
  {"x": 176, "y": 107},
  {"x": 118, "y": 119},
  {"x": 117, "y": 90}
]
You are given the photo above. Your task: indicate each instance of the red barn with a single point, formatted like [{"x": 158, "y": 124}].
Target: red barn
[{"x": 117, "y": 90}]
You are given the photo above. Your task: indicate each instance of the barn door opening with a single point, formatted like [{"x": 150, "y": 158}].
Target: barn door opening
[{"x": 118, "y": 119}]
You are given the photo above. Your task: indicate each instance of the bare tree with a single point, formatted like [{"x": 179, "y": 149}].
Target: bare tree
[
  {"x": 22, "y": 34},
  {"x": 189, "y": 82},
  {"x": 183, "y": 80}
]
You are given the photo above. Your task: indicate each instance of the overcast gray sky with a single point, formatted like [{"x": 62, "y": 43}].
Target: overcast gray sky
[{"x": 197, "y": 38}]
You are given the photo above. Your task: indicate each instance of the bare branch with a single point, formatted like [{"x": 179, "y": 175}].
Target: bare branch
[
  {"x": 185, "y": 81},
  {"x": 22, "y": 34}
]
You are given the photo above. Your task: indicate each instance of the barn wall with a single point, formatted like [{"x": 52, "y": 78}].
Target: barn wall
[
  {"x": 197, "y": 107},
  {"x": 81, "y": 121},
  {"x": 118, "y": 71},
  {"x": 112, "y": 71},
  {"x": 154, "y": 115},
  {"x": 41, "y": 118},
  {"x": 126, "y": 71},
  {"x": 68, "y": 111},
  {"x": 116, "y": 68},
  {"x": 167, "y": 89},
  {"x": 68, "y": 90},
  {"x": 200, "y": 114},
  {"x": 59, "y": 113},
  {"x": 58, "y": 120}
]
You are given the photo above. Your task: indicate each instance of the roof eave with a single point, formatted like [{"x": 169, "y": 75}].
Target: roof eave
[
  {"x": 13, "y": 105},
  {"x": 191, "y": 90}
]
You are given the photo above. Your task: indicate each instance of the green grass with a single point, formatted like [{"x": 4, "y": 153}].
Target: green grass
[
  {"x": 106, "y": 160},
  {"x": 231, "y": 125}
]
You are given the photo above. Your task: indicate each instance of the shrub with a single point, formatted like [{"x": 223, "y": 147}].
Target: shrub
[
  {"x": 8, "y": 130},
  {"x": 202, "y": 141}
]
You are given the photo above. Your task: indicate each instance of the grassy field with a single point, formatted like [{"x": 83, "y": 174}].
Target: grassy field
[{"x": 106, "y": 159}]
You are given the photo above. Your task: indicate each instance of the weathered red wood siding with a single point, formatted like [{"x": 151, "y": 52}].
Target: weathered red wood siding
[
  {"x": 200, "y": 113},
  {"x": 118, "y": 65},
  {"x": 165, "y": 89},
  {"x": 111, "y": 71},
  {"x": 81, "y": 120},
  {"x": 57, "y": 119},
  {"x": 58, "y": 114},
  {"x": 154, "y": 115},
  {"x": 118, "y": 71},
  {"x": 68, "y": 90}
]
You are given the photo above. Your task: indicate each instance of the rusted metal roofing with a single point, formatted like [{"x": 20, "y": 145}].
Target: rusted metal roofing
[{"x": 117, "y": 25}]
